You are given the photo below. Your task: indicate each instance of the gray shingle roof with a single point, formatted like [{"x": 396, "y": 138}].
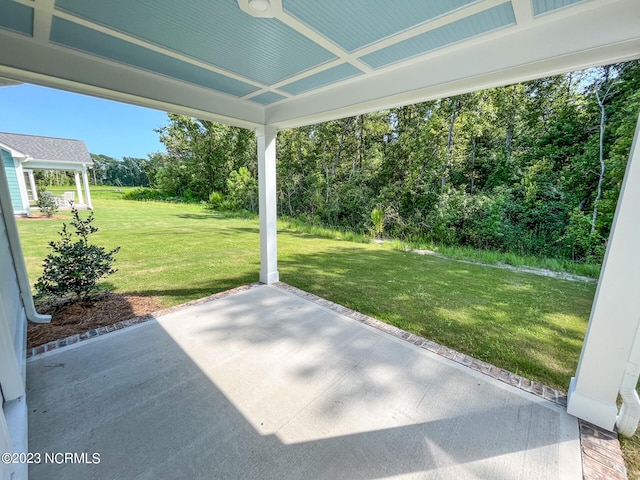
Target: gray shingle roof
[{"x": 48, "y": 148}]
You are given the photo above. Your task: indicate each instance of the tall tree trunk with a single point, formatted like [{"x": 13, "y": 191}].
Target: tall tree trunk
[
  {"x": 357, "y": 159},
  {"x": 326, "y": 171},
  {"x": 511, "y": 125},
  {"x": 301, "y": 161},
  {"x": 603, "y": 120},
  {"x": 446, "y": 167},
  {"x": 337, "y": 159},
  {"x": 601, "y": 98},
  {"x": 473, "y": 163}
]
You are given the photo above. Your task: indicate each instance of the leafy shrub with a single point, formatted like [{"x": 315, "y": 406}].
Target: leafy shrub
[
  {"x": 582, "y": 245},
  {"x": 189, "y": 196},
  {"x": 243, "y": 190},
  {"x": 75, "y": 266},
  {"x": 216, "y": 200},
  {"x": 46, "y": 203},
  {"x": 143, "y": 194}
]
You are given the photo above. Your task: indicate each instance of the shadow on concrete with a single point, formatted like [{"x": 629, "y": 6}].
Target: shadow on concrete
[{"x": 265, "y": 385}]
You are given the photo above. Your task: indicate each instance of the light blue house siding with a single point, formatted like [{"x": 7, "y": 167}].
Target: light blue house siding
[{"x": 12, "y": 179}]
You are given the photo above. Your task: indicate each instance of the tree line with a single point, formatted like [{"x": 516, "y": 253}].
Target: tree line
[
  {"x": 532, "y": 168},
  {"x": 128, "y": 172}
]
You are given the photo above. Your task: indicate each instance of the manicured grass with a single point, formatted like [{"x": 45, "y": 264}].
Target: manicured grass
[
  {"x": 631, "y": 452},
  {"x": 489, "y": 257},
  {"x": 173, "y": 252},
  {"x": 531, "y": 325}
]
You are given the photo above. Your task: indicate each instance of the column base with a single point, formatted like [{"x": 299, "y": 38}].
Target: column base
[
  {"x": 269, "y": 278},
  {"x": 601, "y": 414}
]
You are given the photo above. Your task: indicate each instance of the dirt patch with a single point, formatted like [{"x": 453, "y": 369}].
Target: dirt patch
[
  {"x": 536, "y": 271},
  {"x": 74, "y": 319}
]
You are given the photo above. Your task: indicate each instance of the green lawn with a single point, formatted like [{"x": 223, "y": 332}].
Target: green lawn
[
  {"x": 173, "y": 252},
  {"x": 528, "y": 324}
]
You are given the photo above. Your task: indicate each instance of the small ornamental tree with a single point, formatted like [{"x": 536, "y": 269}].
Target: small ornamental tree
[
  {"x": 46, "y": 203},
  {"x": 377, "y": 217},
  {"x": 75, "y": 266}
]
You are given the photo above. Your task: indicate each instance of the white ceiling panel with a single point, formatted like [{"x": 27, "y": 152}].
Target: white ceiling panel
[{"x": 302, "y": 61}]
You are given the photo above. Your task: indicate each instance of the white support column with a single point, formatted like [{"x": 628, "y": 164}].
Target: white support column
[
  {"x": 32, "y": 185},
  {"x": 76, "y": 175},
  {"x": 609, "y": 342},
  {"x": 267, "y": 197},
  {"x": 24, "y": 196},
  {"x": 87, "y": 193}
]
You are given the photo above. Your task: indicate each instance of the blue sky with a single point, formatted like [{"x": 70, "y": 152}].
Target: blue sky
[{"x": 110, "y": 128}]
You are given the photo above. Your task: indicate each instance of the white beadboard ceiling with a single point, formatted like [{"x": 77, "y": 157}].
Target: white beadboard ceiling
[{"x": 304, "y": 61}]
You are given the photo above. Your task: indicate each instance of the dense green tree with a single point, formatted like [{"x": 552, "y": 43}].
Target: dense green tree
[
  {"x": 518, "y": 168},
  {"x": 128, "y": 172},
  {"x": 201, "y": 155}
]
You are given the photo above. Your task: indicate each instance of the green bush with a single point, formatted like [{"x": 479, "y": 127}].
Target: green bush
[
  {"x": 377, "y": 217},
  {"x": 216, "y": 200},
  {"x": 143, "y": 194},
  {"x": 46, "y": 203},
  {"x": 75, "y": 266},
  {"x": 243, "y": 190},
  {"x": 580, "y": 243}
]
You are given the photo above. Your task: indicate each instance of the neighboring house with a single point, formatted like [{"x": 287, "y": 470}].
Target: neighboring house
[{"x": 22, "y": 154}]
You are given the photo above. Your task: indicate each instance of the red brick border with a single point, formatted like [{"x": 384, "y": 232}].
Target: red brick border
[{"x": 601, "y": 455}]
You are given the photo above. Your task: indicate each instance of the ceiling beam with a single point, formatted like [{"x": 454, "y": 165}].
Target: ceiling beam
[
  {"x": 57, "y": 67},
  {"x": 42, "y": 17},
  {"x": 321, "y": 107}
]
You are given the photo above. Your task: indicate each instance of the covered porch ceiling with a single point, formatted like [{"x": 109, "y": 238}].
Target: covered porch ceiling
[{"x": 287, "y": 63}]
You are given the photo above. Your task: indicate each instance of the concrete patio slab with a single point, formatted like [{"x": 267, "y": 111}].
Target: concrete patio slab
[{"x": 264, "y": 384}]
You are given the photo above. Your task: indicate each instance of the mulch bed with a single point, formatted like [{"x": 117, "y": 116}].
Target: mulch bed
[
  {"x": 71, "y": 319},
  {"x": 42, "y": 217}
]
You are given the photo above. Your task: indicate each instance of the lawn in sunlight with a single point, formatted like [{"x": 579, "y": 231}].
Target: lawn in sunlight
[{"x": 528, "y": 324}]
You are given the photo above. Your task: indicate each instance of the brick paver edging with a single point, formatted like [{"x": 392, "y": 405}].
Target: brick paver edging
[{"x": 601, "y": 455}]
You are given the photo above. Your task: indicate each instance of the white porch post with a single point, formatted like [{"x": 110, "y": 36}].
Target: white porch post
[
  {"x": 24, "y": 196},
  {"x": 608, "y": 349},
  {"x": 87, "y": 193},
  {"x": 76, "y": 175},
  {"x": 266, "y": 137},
  {"x": 32, "y": 185}
]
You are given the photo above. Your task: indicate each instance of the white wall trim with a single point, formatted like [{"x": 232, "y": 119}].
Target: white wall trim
[{"x": 24, "y": 196}]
